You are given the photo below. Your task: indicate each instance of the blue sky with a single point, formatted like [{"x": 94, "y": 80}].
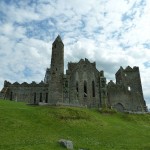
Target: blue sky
[{"x": 112, "y": 33}]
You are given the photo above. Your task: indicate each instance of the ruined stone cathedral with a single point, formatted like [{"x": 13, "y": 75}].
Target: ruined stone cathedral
[{"x": 82, "y": 85}]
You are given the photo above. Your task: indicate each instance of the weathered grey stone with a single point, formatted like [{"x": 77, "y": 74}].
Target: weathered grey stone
[
  {"x": 82, "y": 85},
  {"x": 66, "y": 143},
  {"x": 126, "y": 94}
]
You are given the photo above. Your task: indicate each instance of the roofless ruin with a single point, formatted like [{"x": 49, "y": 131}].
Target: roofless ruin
[{"x": 82, "y": 85}]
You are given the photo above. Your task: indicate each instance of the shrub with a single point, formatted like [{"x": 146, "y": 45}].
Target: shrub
[{"x": 108, "y": 110}]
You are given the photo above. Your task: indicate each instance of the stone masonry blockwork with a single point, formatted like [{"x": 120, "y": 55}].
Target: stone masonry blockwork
[{"x": 82, "y": 85}]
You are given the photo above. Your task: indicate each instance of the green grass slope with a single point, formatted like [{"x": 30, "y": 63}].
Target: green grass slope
[{"x": 24, "y": 127}]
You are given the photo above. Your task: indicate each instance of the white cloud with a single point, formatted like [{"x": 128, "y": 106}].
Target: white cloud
[
  {"x": 20, "y": 14},
  {"x": 108, "y": 32}
]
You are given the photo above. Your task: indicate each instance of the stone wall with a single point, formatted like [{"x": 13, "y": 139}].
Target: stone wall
[
  {"x": 30, "y": 93},
  {"x": 84, "y": 84},
  {"x": 118, "y": 94},
  {"x": 127, "y": 91}
]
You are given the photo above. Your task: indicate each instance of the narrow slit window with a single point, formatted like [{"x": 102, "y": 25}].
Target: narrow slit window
[
  {"x": 34, "y": 98},
  {"x": 11, "y": 95},
  {"x": 40, "y": 97},
  {"x": 66, "y": 83},
  {"x": 85, "y": 89},
  {"x": 93, "y": 88},
  {"x": 77, "y": 88},
  {"x": 46, "y": 100},
  {"x": 129, "y": 88}
]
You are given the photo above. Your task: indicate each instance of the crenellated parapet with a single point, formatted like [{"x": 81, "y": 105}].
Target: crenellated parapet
[{"x": 24, "y": 84}]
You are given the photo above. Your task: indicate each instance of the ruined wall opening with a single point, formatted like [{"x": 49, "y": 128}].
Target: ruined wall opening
[
  {"x": 40, "y": 97},
  {"x": 34, "y": 98},
  {"x": 66, "y": 84},
  {"x": 46, "y": 100},
  {"x": 93, "y": 88},
  {"x": 85, "y": 89},
  {"x": 77, "y": 88},
  {"x": 11, "y": 95},
  {"x": 129, "y": 88},
  {"x": 119, "y": 107}
]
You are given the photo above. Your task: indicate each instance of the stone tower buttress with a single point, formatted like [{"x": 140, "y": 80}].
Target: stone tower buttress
[
  {"x": 57, "y": 72},
  {"x": 130, "y": 78}
]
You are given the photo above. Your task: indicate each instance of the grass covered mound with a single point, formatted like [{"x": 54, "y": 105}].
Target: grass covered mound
[{"x": 24, "y": 127}]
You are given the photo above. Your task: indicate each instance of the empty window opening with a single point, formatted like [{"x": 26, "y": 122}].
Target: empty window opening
[
  {"x": 129, "y": 88},
  {"x": 34, "y": 98},
  {"x": 125, "y": 74},
  {"x": 11, "y": 95},
  {"x": 93, "y": 88},
  {"x": 40, "y": 97},
  {"x": 77, "y": 88},
  {"x": 85, "y": 89},
  {"x": 66, "y": 83},
  {"x": 46, "y": 100}
]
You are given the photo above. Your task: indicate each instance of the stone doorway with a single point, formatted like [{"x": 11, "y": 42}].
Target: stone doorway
[{"x": 119, "y": 107}]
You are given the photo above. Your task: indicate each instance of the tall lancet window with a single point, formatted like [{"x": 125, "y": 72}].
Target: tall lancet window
[
  {"x": 34, "y": 98},
  {"x": 85, "y": 89},
  {"x": 93, "y": 88},
  {"x": 40, "y": 97},
  {"x": 77, "y": 88}
]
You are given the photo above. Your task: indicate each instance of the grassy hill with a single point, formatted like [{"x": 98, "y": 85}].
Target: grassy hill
[{"x": 24, "y": 127}]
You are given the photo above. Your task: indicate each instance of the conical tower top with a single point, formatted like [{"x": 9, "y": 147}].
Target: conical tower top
[{"x": 58, "y": 39}]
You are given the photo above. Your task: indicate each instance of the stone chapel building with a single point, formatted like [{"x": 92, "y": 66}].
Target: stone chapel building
[{"x": 82, "y": 85}]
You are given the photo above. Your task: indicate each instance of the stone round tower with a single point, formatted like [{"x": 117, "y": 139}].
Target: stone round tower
[{"x": 57, "y": 72}]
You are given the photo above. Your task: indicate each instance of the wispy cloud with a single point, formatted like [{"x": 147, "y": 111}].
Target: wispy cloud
[{"x": 108, "y": 32}]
